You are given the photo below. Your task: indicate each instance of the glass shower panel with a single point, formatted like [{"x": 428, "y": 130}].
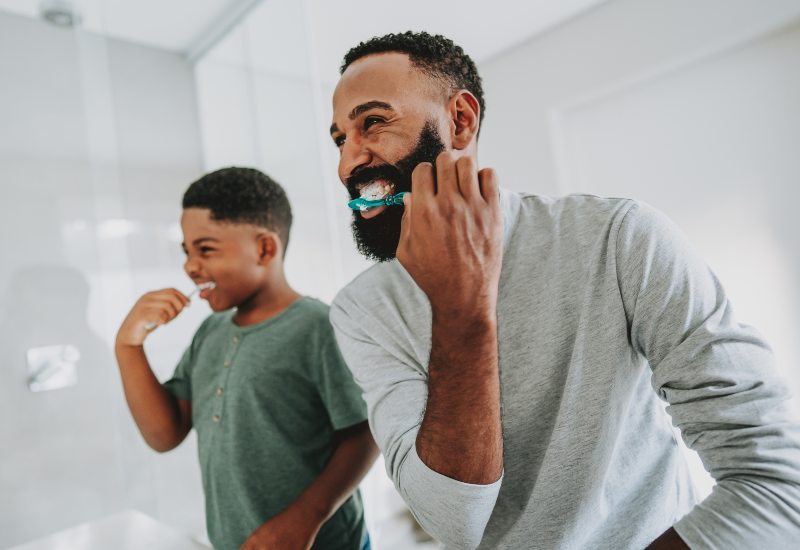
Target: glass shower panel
[{"x": 98, "y": 139}]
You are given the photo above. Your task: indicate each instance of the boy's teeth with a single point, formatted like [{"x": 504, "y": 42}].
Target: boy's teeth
[{"x": 206, "y": 286}]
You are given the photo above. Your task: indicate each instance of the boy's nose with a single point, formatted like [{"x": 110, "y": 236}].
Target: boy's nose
[{"x": 192, "y": 267}]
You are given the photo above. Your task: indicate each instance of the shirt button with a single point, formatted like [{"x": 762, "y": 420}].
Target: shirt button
[
  {"x": 220, "y": 391},
  {"x": 226, "y": 364},
  {"x": 236, "y": 339},
  {"x": 215, "y": 419}
]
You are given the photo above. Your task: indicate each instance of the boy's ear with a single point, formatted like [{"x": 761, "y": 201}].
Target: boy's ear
[
  {"x": 465, "y": 116},
  {"x": 268, "y": 247}
]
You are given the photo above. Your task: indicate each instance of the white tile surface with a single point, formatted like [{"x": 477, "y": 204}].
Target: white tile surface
[{"x": 128, "y": 530}]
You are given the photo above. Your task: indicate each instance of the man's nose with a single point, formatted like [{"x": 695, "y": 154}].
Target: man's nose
[{"x": 354, "y": 156}]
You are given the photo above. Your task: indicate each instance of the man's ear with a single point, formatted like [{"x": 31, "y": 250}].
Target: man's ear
[
  {"x": 268, "y": 247},
  {"x": 465, "y": 116}
]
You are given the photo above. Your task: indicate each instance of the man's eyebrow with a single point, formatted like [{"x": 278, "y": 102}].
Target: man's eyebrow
[{"x": 358, "y": 109}]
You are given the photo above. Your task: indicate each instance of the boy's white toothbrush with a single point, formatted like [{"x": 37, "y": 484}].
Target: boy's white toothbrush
[{"x": 199, "y": 288}]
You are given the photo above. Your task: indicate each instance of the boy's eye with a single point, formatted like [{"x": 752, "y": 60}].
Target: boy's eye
[
  {"x": 339, "y": 141},
  {"x": 206, "y": 249}
]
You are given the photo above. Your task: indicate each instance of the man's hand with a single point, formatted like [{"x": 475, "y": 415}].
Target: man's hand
[
  {"x": 151, "y": 310},
  {"x": 452, "y": 235},
  {"x": 292, "y": 529}
]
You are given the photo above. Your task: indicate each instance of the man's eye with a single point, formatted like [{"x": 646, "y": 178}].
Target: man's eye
[{"x": 370, "y": 120}]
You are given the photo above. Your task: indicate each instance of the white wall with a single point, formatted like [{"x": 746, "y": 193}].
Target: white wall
[
  {"x": 691, "y": 106},
  {"x": 98, "y": 140}
]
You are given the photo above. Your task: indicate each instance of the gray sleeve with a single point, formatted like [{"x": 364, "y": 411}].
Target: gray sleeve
[
  {"x": 721, "y": 385},
  {"x": 395, "y": 391}
]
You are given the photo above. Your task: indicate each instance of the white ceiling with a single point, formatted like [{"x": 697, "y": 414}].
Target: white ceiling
[
  {"x": 167, "y": 24},
  {"x": 484, "y": 28}
]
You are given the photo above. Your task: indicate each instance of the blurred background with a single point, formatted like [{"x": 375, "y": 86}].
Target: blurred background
[{"x": 110, "y": 108}]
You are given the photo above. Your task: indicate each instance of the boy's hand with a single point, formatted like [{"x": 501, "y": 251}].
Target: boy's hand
[
  {"x": 292, "y": 529},
  {"x": 451, "y": 239},
  {"x": 151, "y": 310}
]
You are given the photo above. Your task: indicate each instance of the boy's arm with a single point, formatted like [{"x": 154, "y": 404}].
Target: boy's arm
[
  {"x": 298, "y": 524},
  {"x": 163, "y": 419}
]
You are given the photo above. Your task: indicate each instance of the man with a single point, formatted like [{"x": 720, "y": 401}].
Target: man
[{"x": 508, "y": 355}]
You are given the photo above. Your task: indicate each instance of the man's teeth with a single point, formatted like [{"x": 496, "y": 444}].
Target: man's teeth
[{"x": 376, "y": 190}]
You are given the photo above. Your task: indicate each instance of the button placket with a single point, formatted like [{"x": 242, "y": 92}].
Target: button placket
[{"x": 227, "y": 363}]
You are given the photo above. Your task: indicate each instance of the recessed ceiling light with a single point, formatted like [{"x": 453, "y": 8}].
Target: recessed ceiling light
[{"x": 60, "y": 13}]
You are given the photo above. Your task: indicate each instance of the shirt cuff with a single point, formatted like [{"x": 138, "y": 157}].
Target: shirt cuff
[{"x": 453, "y": 512}]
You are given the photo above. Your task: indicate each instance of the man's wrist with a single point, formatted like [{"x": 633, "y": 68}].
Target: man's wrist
[{"x": 458, "y": 322}]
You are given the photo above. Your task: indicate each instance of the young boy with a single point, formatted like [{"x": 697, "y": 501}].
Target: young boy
[{"x": 282, "y": 433}]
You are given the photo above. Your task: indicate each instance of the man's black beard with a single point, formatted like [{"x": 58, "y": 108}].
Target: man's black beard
[{"x": 377, "y": 238}]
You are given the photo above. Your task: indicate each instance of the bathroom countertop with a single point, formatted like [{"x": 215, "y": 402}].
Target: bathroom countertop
[{"x": 128, "y": 530}]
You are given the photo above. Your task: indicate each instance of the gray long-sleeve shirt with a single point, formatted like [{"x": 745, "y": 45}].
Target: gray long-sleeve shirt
[{"x": 603, "y": 309}]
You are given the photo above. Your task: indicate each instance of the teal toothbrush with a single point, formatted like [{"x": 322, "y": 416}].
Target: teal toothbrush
[{"x": 363, "y": 204}]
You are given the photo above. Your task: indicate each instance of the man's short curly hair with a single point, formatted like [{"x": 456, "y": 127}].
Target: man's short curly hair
[
  {"x": 435, "y": 55},
  {"x": 243, "y": 195}
]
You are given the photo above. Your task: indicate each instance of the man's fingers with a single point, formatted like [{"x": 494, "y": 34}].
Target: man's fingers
[
  {"x": 405, "y": 224},
  {"x": 468, "y": 184},
  {"x": 423, "y": 183},
  {"x": 490, "y": 188},
  {"x": 446, "y": 176}
]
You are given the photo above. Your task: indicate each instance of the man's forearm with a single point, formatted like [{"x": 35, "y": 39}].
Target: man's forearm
[
  {"x": 157, "y": 413},
  {"x": 351, "y": 460},
  {"x": 461, "y": 433}
]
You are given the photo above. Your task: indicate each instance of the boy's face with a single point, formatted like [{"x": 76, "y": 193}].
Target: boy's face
[{"x": 228, "y": 254}]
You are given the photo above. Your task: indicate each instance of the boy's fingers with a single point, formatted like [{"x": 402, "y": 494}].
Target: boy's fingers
[
  {"x": 171, "y": 304},
  {"x": 180, "y": 295}
]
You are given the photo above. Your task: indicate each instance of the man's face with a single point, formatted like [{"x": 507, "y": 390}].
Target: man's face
[{"x": 387, "y": 118}]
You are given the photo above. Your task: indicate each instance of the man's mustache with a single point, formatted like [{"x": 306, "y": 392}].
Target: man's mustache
[{"x": 367, "y": 175}]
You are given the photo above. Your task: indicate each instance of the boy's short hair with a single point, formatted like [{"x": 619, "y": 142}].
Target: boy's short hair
[
  {"x": 243, "y": 195},
  {"x": 435, "y": 55}
]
